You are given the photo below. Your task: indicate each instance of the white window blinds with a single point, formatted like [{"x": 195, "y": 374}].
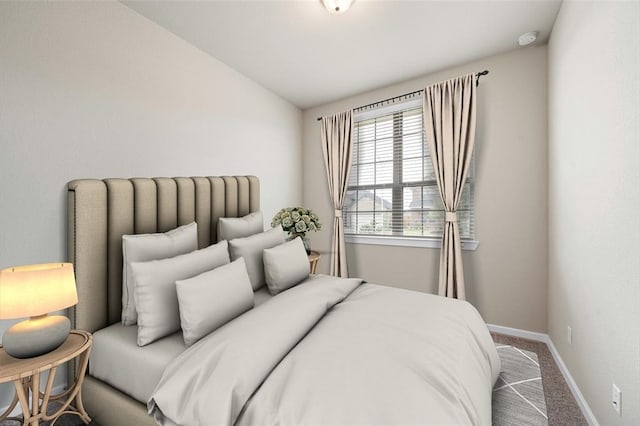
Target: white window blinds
[{"x": 392, "y": 188}]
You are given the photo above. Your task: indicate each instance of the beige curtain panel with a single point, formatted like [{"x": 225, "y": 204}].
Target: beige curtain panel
[
  {"x": 336, "y": 150},
  {"x": 450, "y": 126}
]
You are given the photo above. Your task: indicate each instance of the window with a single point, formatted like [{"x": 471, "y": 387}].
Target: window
[{"x": 392, "y": 189}]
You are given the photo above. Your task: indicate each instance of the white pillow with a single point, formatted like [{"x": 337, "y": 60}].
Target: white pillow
[
  {"x": 212, "y": 299},
  {"x": 251, "y": 249},
  {"x": 285, "y": 265},
  {"x": 145, "y": 247},
  {"x": 155, "y": 282},
  {"x": 239, "y": 227}
]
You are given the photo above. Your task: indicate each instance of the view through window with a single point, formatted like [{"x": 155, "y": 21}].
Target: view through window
[{"x": 392, "y": 187}]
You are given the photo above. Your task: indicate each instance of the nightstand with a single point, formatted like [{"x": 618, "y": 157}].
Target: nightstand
[
  {"x": 314, "y": 256},
  {"x": 25, "y": 375}
]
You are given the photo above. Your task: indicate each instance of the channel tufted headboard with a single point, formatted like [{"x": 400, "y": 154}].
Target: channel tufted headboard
[{"x": 100, "y": 212}]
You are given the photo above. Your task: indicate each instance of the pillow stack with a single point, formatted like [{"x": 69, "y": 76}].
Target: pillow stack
[
  {"x": 168, "y": 284},
  {"x": 156, "y": 298},
  {"x": 145, "y": 247},
  {"x": 250, "y": 248}
]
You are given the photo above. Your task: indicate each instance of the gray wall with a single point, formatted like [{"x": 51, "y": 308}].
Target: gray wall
[
  {"x": 507, "y": 275},
  {"x": 594, "y": 201},
  {"x": 96, "y": 90}
]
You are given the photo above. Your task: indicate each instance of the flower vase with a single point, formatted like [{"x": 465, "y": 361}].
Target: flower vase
[{"x": 307, "y": 244}]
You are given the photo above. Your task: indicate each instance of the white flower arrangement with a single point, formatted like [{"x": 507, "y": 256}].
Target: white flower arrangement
[{"x": 297, "y": 221}]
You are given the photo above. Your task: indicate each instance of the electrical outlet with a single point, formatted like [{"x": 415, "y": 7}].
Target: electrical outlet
[
  {"x": 616, "y": 399},
  {"x": 569, "y": 337}
]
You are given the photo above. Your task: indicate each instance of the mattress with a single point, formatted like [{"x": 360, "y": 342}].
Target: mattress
[{"x": 117, "y": 359}]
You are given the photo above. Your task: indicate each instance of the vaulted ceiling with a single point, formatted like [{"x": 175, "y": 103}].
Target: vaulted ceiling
[{"x": 309, "y": 57}]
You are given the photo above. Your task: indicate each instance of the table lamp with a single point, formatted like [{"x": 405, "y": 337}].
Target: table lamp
[{"x": 34, "y": 291}]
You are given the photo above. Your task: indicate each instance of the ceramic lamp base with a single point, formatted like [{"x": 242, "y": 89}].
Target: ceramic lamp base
[{"x": 36, "y": 336}]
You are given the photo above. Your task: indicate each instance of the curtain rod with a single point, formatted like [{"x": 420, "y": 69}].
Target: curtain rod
[{"x": 478, "y": 75}]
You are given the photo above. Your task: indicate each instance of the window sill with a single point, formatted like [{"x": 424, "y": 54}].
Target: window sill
[{"x": 405, "y": 242}]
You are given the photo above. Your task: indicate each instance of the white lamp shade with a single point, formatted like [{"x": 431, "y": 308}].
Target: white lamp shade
[{"x": 33, "y": 290}]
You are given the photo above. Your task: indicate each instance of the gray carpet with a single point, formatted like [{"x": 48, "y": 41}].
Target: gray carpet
[
  {"x": 518, "y": 396},
  {"x": 562, "y": 408}
]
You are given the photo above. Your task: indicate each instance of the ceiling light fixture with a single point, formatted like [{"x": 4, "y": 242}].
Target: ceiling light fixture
[
  {"x": 527, "y": 38},
  {"x": 337, "y": 6}
]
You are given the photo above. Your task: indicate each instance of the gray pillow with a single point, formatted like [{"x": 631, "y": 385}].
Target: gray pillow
[
  {"x": 212, "y": 299},
  {"x": 145, "y": 247},
  {"x": 285, "y": 265},
  {"x": 239, "y": 227},
  {"x": 155, "y": 282},
  {"x": 251, "y": 249}
]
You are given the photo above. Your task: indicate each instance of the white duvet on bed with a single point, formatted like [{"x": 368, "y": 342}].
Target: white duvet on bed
[{"x": 332, "y": 351}]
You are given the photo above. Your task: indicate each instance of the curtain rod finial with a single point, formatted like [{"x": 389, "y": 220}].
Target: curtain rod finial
[{"x": 480, "y": 74}]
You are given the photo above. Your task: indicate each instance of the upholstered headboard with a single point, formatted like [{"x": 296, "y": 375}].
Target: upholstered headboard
[{"x": 100, "y": 212}]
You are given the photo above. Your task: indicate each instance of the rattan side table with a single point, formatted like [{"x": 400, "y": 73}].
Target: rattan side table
[
  {"x": 25, "y": 375},
  {"x": 314, "y": 256}
]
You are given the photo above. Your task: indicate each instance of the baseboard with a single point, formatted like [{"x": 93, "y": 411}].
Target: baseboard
[
  {"x": 17, "y": 410},
  {"x": 516, "y": 332},
  {"x": 544, "y": 338}
]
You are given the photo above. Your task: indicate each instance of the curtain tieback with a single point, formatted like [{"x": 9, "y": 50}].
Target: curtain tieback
[
  {"x": 450, "y": 217},
  {"x": 337, "y": 213}
]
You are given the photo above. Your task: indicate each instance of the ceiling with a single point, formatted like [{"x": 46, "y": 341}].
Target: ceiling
[{"x": 309, "y": 57}]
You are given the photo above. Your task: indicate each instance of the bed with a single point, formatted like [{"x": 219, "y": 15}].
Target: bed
[{"x": 346, "y": 352}]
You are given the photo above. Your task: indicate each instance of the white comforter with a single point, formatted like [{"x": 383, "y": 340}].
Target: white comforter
[{"x": 334, "y": 352}]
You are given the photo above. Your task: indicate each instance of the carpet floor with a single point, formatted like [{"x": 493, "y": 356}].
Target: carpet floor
[{"x": 562, "y": 409}]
